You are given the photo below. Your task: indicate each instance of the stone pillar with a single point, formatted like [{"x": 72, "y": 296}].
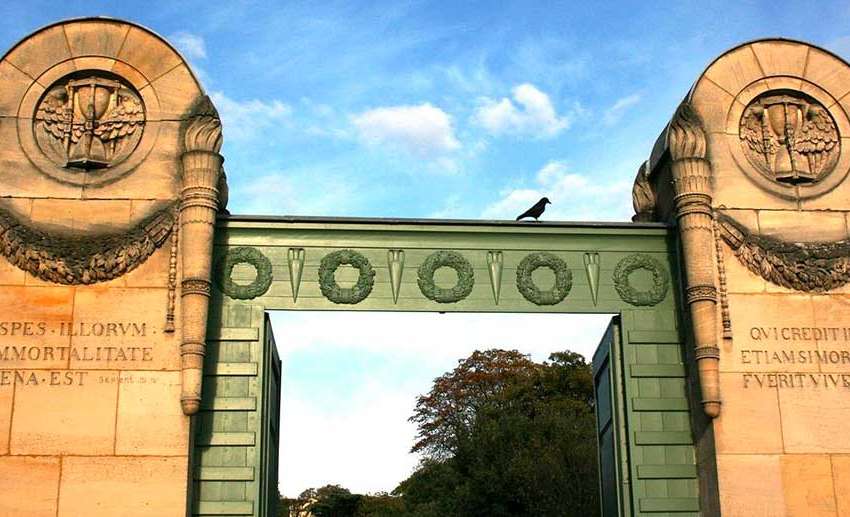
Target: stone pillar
[
  {"x": 199, "y": 203},
  {"x": 691, "y": 184}
]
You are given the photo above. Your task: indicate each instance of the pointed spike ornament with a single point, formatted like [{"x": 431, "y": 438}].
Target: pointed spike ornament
[
  {"x": 591, "y": 267},
  {"x": 395, "y": 261},
  {"x": 295, "y": 257},
  {"x": 495, "y": 262}
]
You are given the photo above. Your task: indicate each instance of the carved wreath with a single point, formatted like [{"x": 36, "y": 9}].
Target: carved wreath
[
  {"x": 244, "y": 255},
  {"x": 450, "y": 259},
  {"x": 347, "y": 295},
  {"x": 83, "y": 259},
  {"x": 632, "y": 263},
  {"x": 530, "y": 291},
  {"x": 804, "y": 266}
]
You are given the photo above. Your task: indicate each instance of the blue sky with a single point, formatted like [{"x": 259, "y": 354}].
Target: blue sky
[{"x": 433, "y": 109}]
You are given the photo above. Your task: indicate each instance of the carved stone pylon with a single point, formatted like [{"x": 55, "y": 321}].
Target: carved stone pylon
[
  {"x": 199, "y": 203},
  {"x": 692, "y": 187}
]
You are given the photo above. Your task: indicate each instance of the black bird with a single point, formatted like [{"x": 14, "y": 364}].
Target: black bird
[{"x": 537, "y": 210}]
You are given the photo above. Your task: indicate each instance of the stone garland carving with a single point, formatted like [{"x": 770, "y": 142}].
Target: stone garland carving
[
  {"x": 530, "y": 291},
  {"x": 172, "y": 281},
  {"x": 200, "y": 201},
  {"x": 244, "y": 255},
  {"x": 340, "y": 295},
  {"x": 450, "y": 259},
  {"x": 632, "y": 263},
  {"x": 721, "y": 276},
  {"x": 810, "y": 267},
  {"x": 691, "y": 171},
  {"x": 83, "y": 259}
]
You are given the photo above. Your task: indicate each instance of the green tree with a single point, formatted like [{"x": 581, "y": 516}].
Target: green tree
[
  {"x": 380, "y": 505},
  {"x": 524, "y": 446},
  {"x": 448, "y": 411},
  {"x": 334, "y": 501}
]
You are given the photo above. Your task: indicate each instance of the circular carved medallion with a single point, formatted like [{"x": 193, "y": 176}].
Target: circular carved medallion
[
  {"x": 450, "y": 259},
  {"x": 86, "y": 125},
  {"x": 244, "y": 255},
  {"x": 530, "y": 291},
  {"x": 332, "y": 290},
  {"x": 789, "y": 137},
  {"x": 630, "y": 264}
]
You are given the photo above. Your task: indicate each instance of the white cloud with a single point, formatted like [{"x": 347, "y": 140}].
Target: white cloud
[
  {"x": 423, "y": 130},
  {"x": 190, "y": 45},
  {"x": 243, "y": 120},
  {"x": 372, "y": 452},
  {"x": 531, "y": 112},
  {"x": 293, "y": 191},
  {"x": 574, "y": 197},
  {"x": 613, "y": 114}
]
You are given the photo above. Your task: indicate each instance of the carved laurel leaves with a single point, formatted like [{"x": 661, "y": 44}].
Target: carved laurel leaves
[
  {"x": 530, "y": 291},
  {"x": 463, "y": 287},
  {"x": 450, "y": 259},
  {"x": 83, "y": 259},
  {"x": 804, "y": 266},
  {"x": 346, "y": 295},
  {"x": 244, "y": 255},
  {"x": 660, "y": 280}
]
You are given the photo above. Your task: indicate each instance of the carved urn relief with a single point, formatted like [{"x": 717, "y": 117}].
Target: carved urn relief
[
  {"x": 789, "y": 137},
  {"x": 91, "y": 122}
]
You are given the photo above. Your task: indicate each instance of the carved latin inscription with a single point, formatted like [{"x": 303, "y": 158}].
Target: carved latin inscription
[
  {"x": 787, "y": 358},
  {"x": 31, "y": 351}
]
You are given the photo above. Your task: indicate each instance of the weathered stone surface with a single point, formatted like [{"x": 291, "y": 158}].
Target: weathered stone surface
[
  {"x": 148, "y": 54},
  {"x": 150, "y": 421},
  {"x": 177, "y": 93},
  {"x": 41, "y": 51},
  {"x": 131, "y": 487},
  {"x": 807, "y": 485},
  {"x": 841, "y": 480},
  {"x": 15, "y": 81},
  {"x": 29, "y": 486},
  {"x": 750, "y": 485},
  {"x": 813, "y": 418},
  {"x": 781, "y": 57},
  {"x": 96, "y": 37},
  {"x": 64, "y": 412},
  {"x": 735, "y": 70},
  {"x": 39, "y": 314},
  {"x": 6, "y": 396},
  {"x": 802, "y": 226},
  {"x": 750, "y": 422},
  {"x": 828, "y": 72}
]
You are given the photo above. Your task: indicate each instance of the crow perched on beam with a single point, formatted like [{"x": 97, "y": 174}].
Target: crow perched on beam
[{"x": 537, "y": 210}]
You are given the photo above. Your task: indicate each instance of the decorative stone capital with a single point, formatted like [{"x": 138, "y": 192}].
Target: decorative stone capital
[
  {"x": 203, "y": 131},
  {"x": 686, "y": 135}
]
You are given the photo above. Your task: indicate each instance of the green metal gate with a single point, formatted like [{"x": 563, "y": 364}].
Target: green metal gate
[{"x": 286, "y": 263}]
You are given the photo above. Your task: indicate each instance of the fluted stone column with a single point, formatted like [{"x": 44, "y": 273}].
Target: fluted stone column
[
  {"x": 692, "y": 188},
  {"x": 202, "y": 169}
]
